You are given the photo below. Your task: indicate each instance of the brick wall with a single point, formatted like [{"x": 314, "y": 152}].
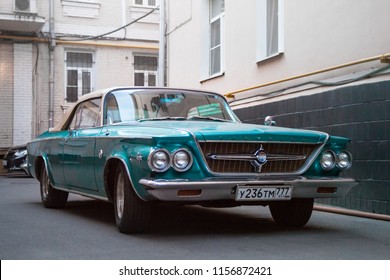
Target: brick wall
[
  {"x": 23, "y": 94},
  {"x": 361, "y": 113},
  {"x": 6, "y": 95}
]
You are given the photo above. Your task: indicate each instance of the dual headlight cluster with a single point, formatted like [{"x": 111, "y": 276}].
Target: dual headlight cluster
[
  {"x": 330, "y": 160},
  {"x": 160, "y": 160}
]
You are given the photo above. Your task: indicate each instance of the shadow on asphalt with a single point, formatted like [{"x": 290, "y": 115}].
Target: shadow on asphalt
[
  {"x": 182, "y": 220},
  {"x": 186, "y": 220},
  {"x": 19, "y": 175}
]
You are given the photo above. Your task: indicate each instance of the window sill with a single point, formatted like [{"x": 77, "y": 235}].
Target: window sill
[
  {"x": 138, "y": 11},
  {"x": 217, "y": 75},
  {"x": 279, "y": 54}
]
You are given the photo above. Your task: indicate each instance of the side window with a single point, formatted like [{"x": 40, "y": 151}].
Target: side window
[
  {"x": 86, "y": 115},
  {"x": 112, "y": 110}
]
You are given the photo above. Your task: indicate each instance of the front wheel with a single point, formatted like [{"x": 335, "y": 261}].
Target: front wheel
[
  {"x": 295, "y": 213},
  {"x": 51, "y": 198},
  {"x": 132, "y": 215}
]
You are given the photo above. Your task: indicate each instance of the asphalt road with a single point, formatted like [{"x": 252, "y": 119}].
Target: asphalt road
[{"x": 86, "y": 229}]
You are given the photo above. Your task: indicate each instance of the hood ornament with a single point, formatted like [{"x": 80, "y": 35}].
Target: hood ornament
[{"x": 269, "y": 121}]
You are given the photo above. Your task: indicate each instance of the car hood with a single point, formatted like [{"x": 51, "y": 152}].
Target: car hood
[{"x": 228, "y": 131}]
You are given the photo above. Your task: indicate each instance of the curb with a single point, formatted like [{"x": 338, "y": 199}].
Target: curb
[{"x": 349, "y": 212}]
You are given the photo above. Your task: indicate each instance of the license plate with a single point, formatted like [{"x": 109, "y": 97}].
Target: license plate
[{"x": 263, "y": 193}]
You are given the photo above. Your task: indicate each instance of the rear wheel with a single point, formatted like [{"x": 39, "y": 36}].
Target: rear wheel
[
  {"x": 132, "y": 214},
  {"x": 51, "y": 198},
  {"x": 295, "y": 213}
]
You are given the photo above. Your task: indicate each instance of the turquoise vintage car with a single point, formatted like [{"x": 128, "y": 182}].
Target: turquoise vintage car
[{"x": 138, "y": 147}]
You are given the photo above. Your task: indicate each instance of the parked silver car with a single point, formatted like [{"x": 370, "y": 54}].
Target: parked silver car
[{"x": 15, "y": 160}]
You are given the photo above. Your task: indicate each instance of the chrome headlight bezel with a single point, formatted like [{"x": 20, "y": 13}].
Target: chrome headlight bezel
[
  {"x": 344, "y": 160},
  {"x": 328, "y": 160},
  {"x": 161, "y": 155},
  {"x": 183, "y": 155}
]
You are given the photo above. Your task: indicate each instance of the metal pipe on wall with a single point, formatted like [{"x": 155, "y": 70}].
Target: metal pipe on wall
[
  {"x": 52, "y": 44},
  {"x": 384, "y": 58},
  {"x": 162, "y": 46}
]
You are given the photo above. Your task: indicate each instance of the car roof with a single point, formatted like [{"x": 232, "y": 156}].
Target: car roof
[{"x": 102, "y": 92}]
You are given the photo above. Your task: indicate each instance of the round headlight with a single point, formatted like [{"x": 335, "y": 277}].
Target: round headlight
[
  {"x": 344, "y": 160},
  {"x": 328, "y": 160},
  {"x": 159, "y": 160},
  {"x": 181, "y": 160}
]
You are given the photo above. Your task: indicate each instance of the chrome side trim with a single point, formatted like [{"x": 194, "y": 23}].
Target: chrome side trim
[{"x": 83, "y": 194}]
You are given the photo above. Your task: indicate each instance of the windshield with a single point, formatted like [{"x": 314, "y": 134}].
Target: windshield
[{"x": 148, "y": 105}]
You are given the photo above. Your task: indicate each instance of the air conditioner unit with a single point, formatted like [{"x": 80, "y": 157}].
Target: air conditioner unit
[{"x": 25, "y": 6}]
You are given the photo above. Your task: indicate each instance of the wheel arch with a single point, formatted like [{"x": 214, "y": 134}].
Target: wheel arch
[
  {"x": 110, "y": 173},
  {"x": 39, "y": 164}
]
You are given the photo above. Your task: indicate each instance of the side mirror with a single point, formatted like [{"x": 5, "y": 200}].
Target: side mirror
[{"x": 269, "y": 121}]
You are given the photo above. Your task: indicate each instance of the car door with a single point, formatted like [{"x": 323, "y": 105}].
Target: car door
[{"x": 79, "y": 147}]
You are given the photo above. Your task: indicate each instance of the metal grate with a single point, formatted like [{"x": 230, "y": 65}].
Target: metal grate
[{"x": 245, "y": 166}]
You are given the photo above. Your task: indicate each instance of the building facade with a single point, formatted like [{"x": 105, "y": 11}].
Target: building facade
[
  {"x": 52, "y": 52},
  {"x": 311, "y": 64}
]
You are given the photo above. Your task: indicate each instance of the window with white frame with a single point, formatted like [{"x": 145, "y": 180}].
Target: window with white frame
[
  {"x": 217, "y": 12},
  {"x": 79, "y": 66},
  {"x": 146, "y": 3},
  {"x": 270, "y": 29},
  {"x": 145, "y": 70}
]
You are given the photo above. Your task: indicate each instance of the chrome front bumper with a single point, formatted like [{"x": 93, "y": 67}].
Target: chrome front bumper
[{"x": 225, "y": 189}]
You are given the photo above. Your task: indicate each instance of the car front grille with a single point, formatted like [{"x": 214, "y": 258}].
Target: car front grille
[{"x": 244, "y": 157}]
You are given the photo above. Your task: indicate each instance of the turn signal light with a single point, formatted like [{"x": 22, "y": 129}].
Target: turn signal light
[
  {"x": 326, "y": 190},
  {"x": 189, "y": 192}
]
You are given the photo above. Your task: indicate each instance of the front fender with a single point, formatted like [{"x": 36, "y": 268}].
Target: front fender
[
  {"x": 135, "y": 168},
  {"x": 41, "y": 161}
]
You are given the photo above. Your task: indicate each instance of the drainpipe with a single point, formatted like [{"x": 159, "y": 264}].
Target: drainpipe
[
  {"x": 162, "y": 46},
  {"x": 52, "y": 44},
  {"x": 124, "y": 10}
]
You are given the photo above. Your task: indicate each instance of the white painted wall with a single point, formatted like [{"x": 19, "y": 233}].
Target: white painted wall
[{"x": 317, "y": 34}]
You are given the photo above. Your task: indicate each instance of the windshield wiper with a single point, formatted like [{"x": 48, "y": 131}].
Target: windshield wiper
[
  {"x": 162, "y": 119},
  {"x": 207, "y": 119}
]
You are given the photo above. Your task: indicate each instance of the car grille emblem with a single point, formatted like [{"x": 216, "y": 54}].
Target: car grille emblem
[{"x": 260, "y": 157}]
